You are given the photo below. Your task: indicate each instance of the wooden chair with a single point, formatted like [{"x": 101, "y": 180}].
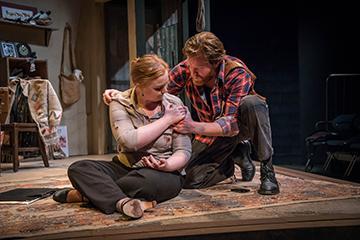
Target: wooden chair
[
  {"x": 13, "y": 130},
  {"x": 4, "y": 110}
]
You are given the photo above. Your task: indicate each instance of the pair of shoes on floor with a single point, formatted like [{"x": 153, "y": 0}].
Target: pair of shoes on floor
[
  {"x": 61, "y": 196},
  {"x": 134, "y": 208}
]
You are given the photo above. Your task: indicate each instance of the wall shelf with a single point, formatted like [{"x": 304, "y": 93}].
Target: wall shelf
[
  {"x": 22, "y": 32},
  {"x": 7, "y": 65}
]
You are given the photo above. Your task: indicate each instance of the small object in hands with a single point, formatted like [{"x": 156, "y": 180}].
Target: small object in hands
[{"x": 240, "y": 190}]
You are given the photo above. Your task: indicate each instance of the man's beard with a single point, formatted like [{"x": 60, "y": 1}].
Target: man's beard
[{"x": 201, "y": 81}]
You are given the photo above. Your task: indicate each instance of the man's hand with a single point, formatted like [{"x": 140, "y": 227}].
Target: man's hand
[
  {"x": 108, "y": 94},
  {"x": 186, "y": 126},
  {"x": 175, "y": 113}
]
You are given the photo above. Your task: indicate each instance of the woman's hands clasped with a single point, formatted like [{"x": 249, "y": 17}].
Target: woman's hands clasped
[{"x": 151, "y": 162}]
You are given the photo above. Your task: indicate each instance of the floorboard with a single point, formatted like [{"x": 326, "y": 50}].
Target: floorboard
[{"x": 308, "y": 204}]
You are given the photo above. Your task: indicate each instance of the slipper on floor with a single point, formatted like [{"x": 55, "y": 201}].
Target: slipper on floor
[
  {"x": 134, "y": 208},
  {"x": 61, "y": 196}
]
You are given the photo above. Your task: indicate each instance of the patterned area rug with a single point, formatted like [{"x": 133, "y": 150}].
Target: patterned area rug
[{"x": 46, "y": 216}]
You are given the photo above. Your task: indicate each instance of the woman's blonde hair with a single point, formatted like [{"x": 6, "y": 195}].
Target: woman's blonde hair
[
  {"x": 205, "y": 44},
  {"x": 147, "y": 68}
]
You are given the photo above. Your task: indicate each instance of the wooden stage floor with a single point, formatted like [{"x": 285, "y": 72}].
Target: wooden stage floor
[{"x": 309, "y": 206}]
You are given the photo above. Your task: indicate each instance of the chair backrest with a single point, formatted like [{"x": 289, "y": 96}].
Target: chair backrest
[
  {"x": 4, "y": 103},
  {"x": 346, "y": 124},
  {"x": 343, "y": 122},
  {"x": 20, "y": 111}
]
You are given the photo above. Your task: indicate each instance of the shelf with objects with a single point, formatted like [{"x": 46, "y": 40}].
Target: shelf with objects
[
  {"x": 25, "y": 78},
  {"x": 23, "y": 67},
  {"x": 24, "y": 32}
]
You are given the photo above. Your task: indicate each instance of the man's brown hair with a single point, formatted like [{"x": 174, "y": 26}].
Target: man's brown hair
[{"x": 205, "y": 44}]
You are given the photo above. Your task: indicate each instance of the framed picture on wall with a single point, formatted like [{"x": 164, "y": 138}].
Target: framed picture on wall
[
  {"x": 23, "y": 50},
  {"x": 8, "y": 49},
  {"x": 63, "y": 139},
  {"x": 16, "y": 12}
]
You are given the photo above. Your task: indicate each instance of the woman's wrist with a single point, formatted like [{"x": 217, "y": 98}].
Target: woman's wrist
[{"x": 168, "y": 120}]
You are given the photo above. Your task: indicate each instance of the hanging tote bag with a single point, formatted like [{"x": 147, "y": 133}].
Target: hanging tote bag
[{"x": 69, "y": 84}]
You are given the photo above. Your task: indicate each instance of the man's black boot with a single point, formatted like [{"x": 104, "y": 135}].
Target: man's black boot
[
  {"x": 243, "y": 160},
  {"x": 269, "y": 184}
]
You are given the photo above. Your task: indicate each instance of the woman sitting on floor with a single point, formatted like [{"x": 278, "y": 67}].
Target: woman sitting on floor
[{"x": 151, "y": 155}]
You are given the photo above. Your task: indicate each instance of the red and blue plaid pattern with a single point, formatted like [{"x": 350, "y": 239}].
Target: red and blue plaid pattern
[{"x": 225, "y": 96}]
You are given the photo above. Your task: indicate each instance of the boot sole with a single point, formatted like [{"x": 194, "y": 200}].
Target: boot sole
[{"x": 264, "y": 192}]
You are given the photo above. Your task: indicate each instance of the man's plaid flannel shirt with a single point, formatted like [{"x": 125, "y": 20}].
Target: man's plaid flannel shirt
[{"x": 225, "y": 96}]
